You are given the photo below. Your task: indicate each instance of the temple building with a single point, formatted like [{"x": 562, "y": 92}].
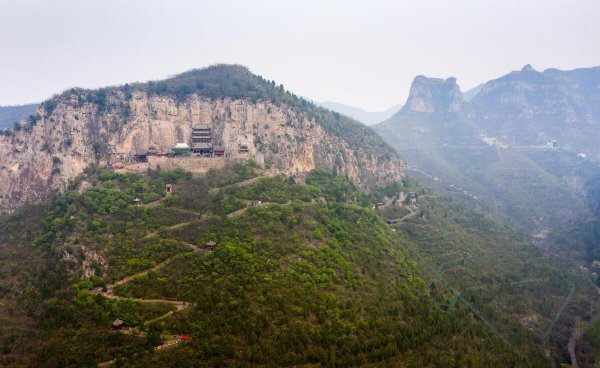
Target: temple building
[
  {"x": 242, "y": 148},
  {"x": 201, "y": 134},
  {"x": 202, "y": 140},
  {"x": 203, "y": 149},
  {"x": 181, "y": 149},
  {"x": 218, "y": 151}
]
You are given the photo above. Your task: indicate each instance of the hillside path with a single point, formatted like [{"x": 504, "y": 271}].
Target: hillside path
[
  {"x": 179, "y": 305},
  {"x": 172, "y": 227},
  {"x": 413, "y": 213},
  {"x": 575, "y": 336},
  {"x": 241, "y": 210}
]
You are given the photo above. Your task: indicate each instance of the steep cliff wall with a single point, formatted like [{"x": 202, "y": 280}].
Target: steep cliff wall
[
  {"x": 429, "y": 95},
  {"x": 72, "y": 132}
]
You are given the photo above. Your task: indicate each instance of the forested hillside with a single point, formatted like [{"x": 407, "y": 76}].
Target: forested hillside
[{"x": 242, "y": 270}]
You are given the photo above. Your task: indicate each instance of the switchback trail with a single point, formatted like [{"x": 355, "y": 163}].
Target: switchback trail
[{"x": 179, "y": 305}]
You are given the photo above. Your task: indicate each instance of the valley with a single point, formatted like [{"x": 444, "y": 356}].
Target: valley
[
  {"x": 309, "y": 184},
  {"x": 215, "y": 219},
  {"x": 493, "y": 154}
]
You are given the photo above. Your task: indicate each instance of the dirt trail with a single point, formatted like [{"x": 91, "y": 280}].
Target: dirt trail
[
  {"x": 179, "y": 305},
  {"x": 155, "y": 203},
  {"x": 248, "y": 181},
  {"x": 406, "y": 217},
  {"x": 240, "y": 184},
  {"x": 412, "y": 213},
  {"x": 575, "y": 336},
  {"x": 143, "y": 273},
  {"x": 260, "y": 204},
  {"x": 166, "y": 344},
  {"x": 189, "y": 212},
  {"x": 172, "y": 227}
]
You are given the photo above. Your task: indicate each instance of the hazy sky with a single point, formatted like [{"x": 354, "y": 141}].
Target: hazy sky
[{"x": 362, "y": 53}]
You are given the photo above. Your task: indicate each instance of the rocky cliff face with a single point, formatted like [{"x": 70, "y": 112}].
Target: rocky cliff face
[
  {"x": 524, "y": 108},
  {"x": 45, "y": 154},
  {"x": 434, "y": 112},
  {"x": 434, "y": 95},
  {"x": 523, "y": 145}
]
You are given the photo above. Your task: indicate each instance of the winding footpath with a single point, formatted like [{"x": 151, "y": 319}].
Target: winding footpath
[
  {"x": 573, "y": 344},
  {"x": 260, "y": 204},
  {"x": 179, "y": 305}
]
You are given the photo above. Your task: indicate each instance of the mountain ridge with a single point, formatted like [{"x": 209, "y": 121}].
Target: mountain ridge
[
  {"x": 15, "y": 113},
  {"x": 249, "y": 116},
  {"x": 528, "y": 107},
  {"x": 521, "y": 146}
]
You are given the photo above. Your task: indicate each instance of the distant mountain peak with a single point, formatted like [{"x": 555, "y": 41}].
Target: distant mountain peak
[
  {"x": 528, "y": 68},
  {"x": 10, "y": 114},
  {"x": 434, "y": 95}
]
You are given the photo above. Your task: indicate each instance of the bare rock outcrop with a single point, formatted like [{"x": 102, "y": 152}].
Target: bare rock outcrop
[
  {"x": 429, "y": 95},
  {"x": 71, "y": 133}
]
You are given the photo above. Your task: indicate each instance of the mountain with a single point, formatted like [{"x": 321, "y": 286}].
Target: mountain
[
  {"x": 468, "y": 95},
  {"x": 235, "y": 268},
  {"x": 134, "y": 128},
  {"x": 303, "y": 245},
  {"x": 366, "y": 117},
  {"x": 430, "y": 95},
  {"x": 522, "y": 150},
  {"x": 531, "y": 108},
  {"x": 497, "y": 150},
  {"x": 11, "y": 114}
]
